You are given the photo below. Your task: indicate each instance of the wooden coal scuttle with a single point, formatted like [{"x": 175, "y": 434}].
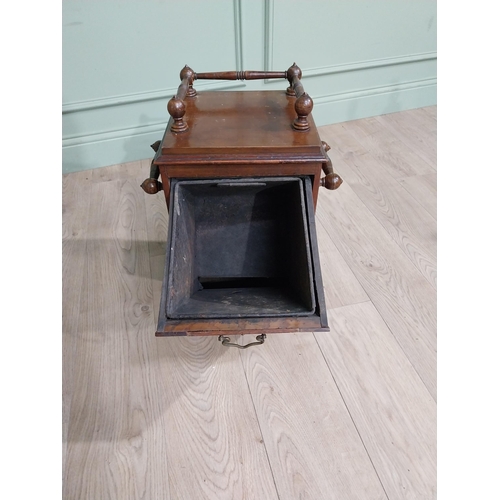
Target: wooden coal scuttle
[{"x": 241, "y": 171}]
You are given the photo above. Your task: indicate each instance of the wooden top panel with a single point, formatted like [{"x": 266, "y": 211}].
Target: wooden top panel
[{"x": 239, "y": 123}]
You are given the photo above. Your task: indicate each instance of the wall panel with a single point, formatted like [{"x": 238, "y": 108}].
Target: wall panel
[{"x": 121, "y": 61}]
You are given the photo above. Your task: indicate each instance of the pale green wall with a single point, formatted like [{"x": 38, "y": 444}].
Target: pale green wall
[{"x": 121, "y": 62}]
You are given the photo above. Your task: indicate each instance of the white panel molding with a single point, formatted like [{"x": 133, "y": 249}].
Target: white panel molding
[
  {"x": 373, "y": 91},
  {"x": 333, "y": 68},
  {"x": 319, "y": 100},
  {"x": 268, "y": 37},
  {"x": 125, "y": 133},
  {"x": 119, "y": 143},
  {"x": 238, "y": 32},
  {"x": 120, "y": 100},
  {"x": 368, "y": 64}
]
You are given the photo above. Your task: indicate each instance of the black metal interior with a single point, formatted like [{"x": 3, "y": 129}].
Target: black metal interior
[
  {"x": 210, "y": 283},
  {"x": 240, "y": 248}
]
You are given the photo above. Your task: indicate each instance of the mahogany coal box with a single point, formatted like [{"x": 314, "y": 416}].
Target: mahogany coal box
[{"x": 241, "y": 171}]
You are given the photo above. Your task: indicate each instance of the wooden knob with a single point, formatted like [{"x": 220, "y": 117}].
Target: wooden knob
[
  {"x": 151, "y": 186},
  {"x": 189, "y": 74},
  {"x": 293, "y": 72},
  {"x": 331, "y": 181},
  {"x": 177, "y": 109},
  {"x": 303, "y": 107}
]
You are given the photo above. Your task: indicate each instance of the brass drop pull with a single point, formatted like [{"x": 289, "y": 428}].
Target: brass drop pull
[{"x": 226, "y": 341}]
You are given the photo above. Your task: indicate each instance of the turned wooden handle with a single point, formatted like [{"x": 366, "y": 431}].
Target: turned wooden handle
[
  {"x": 152, "y": 185},
  {"x": 303, "y": 104},
  {"x": 331, "y": 180},
  {"x": 240, "y": 75}
]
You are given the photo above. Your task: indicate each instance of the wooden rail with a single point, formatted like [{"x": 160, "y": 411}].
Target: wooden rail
[{"x": 303, "y": 104}]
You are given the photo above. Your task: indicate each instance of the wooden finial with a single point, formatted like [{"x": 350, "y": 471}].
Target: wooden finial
[
  {"x": 177, "y": 109},
  {"x": 293, "y": 72},
  {"x": 151, "y": 186},
  {"x": 331, "y": 179},
  {"x": 303, "y": 107},
  {"x": 188, "y": 73}
]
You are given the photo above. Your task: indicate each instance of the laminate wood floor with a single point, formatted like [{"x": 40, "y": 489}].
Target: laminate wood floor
[{"x": 349, "y": 414}]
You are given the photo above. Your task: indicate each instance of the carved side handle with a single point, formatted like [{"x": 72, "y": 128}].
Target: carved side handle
[
  {"x": 152, "y": 185},
  {"x": 331, "y": 179}
]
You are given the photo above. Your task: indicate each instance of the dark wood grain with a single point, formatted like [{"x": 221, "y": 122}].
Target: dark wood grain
[
  {"x": 250, "y": 326},
  {"x": 238, "y": 134},
  {"x": 240, "y": 123}
]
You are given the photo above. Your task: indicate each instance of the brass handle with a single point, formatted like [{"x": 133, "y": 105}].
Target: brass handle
[{"x": 226, "y": 341}]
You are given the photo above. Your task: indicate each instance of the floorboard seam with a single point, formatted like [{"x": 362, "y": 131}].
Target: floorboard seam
[
  {"x": 401, "y": 138},
  {"x": 380, "y": 163},
  {"x": 260, "y": 428},
  {"x": 378, "y": 312},
  {"x": 350, "y": 415},
  {"x": 318, "y": 222},
  {"x": 403, "y": 351},
  {"x": 393, "y": 239},
  {"x": 412, "y": 195},
  {"x": 74, "y": 346}
]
